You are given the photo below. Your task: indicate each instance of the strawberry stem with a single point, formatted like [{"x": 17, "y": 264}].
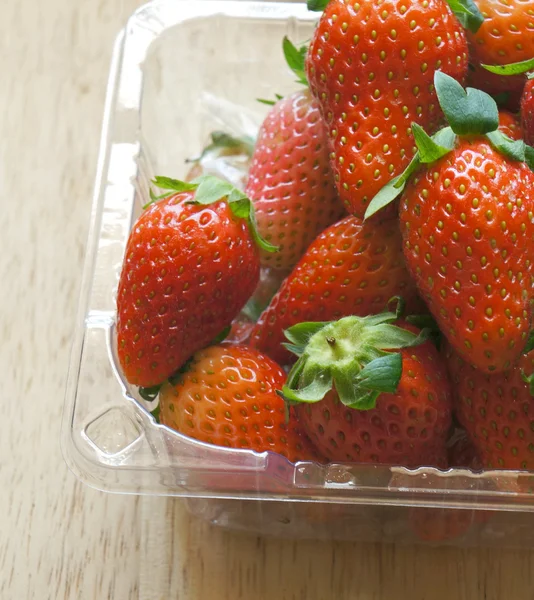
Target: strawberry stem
[{"x": 356, "y": 355}]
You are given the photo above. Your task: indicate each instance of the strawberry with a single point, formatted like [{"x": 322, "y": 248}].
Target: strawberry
[
  {"x": 470, "y": 255},
  {"x": 527, "y": 112},
  {"x": 366, "y": 393},
  {"x": 351, "y": 268},
  {"x": 467, "y": 219},
  {"x": 290, "y": 181},
  {"x": 497, "y": 411},
  {"x": 371, "y": 65},
  {"x": 190, "y": 265},
  {"x": 505, "y": 36},
  {"x": 226, "y": 396}
]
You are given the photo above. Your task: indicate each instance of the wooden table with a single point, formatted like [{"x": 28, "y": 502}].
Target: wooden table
[{"x": 59, "y": 539}]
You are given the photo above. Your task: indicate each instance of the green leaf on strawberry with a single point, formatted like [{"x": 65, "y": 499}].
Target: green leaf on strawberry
[
  {"x": 296, "y": 59},
  {"x": 517, "y": 68},
  {"x": 393, "y": 189},
  {"x": 356, "y": 355},
  {"x": 433, "y": 148},
  {"x": 513, "y": 149},
  {"x": 429, "y": 149},
  {"x": 317, "y": 5},
  {"x": 174, "y": 185},
  {"x": 209, "y": 189},
  {"x": 270, "y": 102},
  {"x": 468, "y": 111},
  {"x": 468, "y": 13},
  {"x": 382, "y": 375}
]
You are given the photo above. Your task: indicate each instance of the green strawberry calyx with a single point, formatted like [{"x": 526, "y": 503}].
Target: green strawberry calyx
[
  {"x": 358, "y": 356},
  {"x": 208, "y": 190},
  {"x": 518, "y": 68},
  {"x": 468, "y": 13},
  {"x": 317, "y": 5},
  {"x": 270, "y": 102},
  {"x": 469, "y": 112},
  {"x": 296, "y": 61}
]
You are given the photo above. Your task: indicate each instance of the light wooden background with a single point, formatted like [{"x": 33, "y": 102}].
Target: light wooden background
[{"x": 59, "y": 540}]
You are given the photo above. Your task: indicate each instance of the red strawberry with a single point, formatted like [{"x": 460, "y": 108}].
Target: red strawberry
[
  {"x": 497, "y": 411},
  {"x": 467, "y": 219},
  {"x": 361, "y": 403},
  {"x": 226, "y": 396},
  {"x": 470, "y": 252},
  {"x": 371, "y": 65},
  {"x": 290, "y": 181},
  {"x": 527, "y": 111},
  {"x": 506, "y": 36},
  {"x": 189, "y": 268},
  {"x": 351, "y": 268}
]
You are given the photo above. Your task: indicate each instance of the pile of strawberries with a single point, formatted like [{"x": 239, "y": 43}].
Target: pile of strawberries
[{"x": 382, "y": 250}]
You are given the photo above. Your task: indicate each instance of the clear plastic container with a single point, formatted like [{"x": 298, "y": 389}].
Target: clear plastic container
[{"x": 177, "y": 67}]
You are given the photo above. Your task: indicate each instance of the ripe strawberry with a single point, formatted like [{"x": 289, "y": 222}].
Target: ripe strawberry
[
  {"x": 371, "y": 66},
  {"x": 351, "y": 268},
  {"x": 360, "y": 400},
  {"x": 290, "y": 181},
  {"x": 471, "y": 252},
  {"x": 505, "y": 36},
  {"x": 497, "y": 411},
  {"x": 527, "y": 111},
  {"x": 226, "y": 396},
  {"x": 467, "y": 219},
  {"x": 189, "y": 267}
]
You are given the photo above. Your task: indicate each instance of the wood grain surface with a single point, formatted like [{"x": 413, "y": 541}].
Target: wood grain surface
[{"x": 58, "y": 539}]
